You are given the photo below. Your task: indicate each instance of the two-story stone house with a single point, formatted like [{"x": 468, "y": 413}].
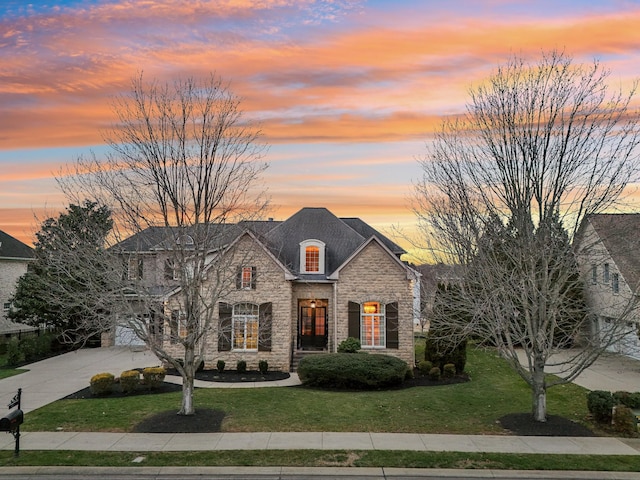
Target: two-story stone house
[
  {"x": 303, "y": 284},
  {"x": 15, "y": 257},
  {"x": 608, "y": 252}
]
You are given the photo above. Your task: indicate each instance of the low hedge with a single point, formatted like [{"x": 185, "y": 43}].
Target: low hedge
[
  {"x": 101, "y": 383},
  {"x": 352, "y": 371},
  {"x": 129, "y": 380},
  {"x": 153, "y": 376}
]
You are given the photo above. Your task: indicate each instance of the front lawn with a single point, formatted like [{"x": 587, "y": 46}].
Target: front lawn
[{"x": 467, "y": 408}]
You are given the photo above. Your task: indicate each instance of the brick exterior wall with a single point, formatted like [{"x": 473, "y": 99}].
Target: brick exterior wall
[{"x": 11, "y": 271}]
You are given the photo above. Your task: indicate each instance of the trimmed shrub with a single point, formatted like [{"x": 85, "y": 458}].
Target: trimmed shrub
[
  {"x": 350, "y": 345},
  {"x": 449, "y": 370},
  {"x": 101, "y": 383},
  {"x": 631, "y": 400},
  {"x": 241, "y": 366},
  {"x": 425, "y": 367},
  {"x": 623, "y": 421},
  {"x": 344, "y": 371},
  {"x": 220, "y": 365},
  {"x": 15, "y": 355},
  {"x": 263, "y": 366},
  {"x": 440, "y": 352},
  {"x": 153, "y": 376},
  {"x": 434, "y": 373},
  {"x": 129, "y": 380},
  {"x": 600, "y": 404}
]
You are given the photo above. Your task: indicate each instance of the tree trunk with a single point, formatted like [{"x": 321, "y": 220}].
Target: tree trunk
[
  {"x": 187, "y": 407},
  {"x": 539, "y": 394}
]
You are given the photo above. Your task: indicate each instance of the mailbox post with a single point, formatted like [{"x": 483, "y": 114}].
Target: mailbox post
[{"x": 12, "y": 421}]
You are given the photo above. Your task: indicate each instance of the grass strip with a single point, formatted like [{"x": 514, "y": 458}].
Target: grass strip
[
  {"x": 328, "y": 458},
  {"x": 10, "y": 372}
]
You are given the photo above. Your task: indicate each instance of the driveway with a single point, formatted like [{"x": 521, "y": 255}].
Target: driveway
[{"x": 55, "y": 378}]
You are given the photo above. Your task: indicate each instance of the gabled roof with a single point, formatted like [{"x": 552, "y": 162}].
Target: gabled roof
[
  {"x": 620, "y": 234},
  {"x": 162, "y": 238},
  {"x": 11, "y": 247}
]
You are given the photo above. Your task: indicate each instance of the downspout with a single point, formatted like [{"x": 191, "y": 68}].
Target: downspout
[{"x": 335, "y": 317}]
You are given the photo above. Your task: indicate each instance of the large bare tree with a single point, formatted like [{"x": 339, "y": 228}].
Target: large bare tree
[
  {"x": 505, "y": 188},
  {"x": 183, "y": 168}
]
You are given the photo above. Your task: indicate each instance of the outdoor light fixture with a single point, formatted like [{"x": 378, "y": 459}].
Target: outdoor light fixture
[{"x": 313, "y": 304}]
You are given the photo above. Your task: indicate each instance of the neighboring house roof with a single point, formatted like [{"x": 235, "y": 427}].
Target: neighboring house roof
[
  {"x": 620, "y": 234},
  {"x": 13, "y": 248},
  {"x": 434, "y": 274}
]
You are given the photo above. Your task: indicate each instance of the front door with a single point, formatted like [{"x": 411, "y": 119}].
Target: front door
[{"x": 313, "y": 328}]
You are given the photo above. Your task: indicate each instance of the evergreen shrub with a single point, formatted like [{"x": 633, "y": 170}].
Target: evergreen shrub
[
  {"x": 349, "y": 345},
  {"x": 241, "y": 366},
  {"x": 435, "y": 373},
  {"x": 600, "y": 404},
  {"x": 220, "y": 365},
  {"x": 623, "y": 421},
  {"x": 263, "y": 366},
  {"x": 449, "y": 370},
  {"x": 101, "y": 383},
  {"x": 344, "y": 371},
  {"x": 129, "y": 380},
  {"x": 153, "y": 376},
  {"x": 425, "y": 367}
]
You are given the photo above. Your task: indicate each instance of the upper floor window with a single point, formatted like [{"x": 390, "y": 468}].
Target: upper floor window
[
  {"x": 605, "y": 273},
  {"x": 594, "y": 274},
  {"x": 615, "y": 283},
  {"x": 246, "y": 278},
  {"x": 186, "y": 240},
  {"x": 134, "y": 268},
  {"x": 171, "y": 271},
  {"x": 312, "y": 256}
]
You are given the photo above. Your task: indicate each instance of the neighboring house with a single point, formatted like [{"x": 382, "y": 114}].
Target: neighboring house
[
  {"x": 608, "y": 252},
  {"x": 301, "y": 285},
  {"x": 15, "y": 257}
]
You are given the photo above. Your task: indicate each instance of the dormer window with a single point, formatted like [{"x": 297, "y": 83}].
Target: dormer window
[{"x": 312, "y": 256}]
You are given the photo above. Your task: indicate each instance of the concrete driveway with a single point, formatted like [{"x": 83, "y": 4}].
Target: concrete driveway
[{"x": 55, "y": 378}]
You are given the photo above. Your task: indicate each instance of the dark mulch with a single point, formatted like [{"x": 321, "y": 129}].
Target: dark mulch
[
  {"x": 555, "y": 426},
  {"x": 205, "y": 420},
  {"x": 235, "y": 377},
  {"x": 117, "y": 392}
]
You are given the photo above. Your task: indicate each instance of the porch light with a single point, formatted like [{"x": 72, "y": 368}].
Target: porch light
[{"x": 313, "y": 304}]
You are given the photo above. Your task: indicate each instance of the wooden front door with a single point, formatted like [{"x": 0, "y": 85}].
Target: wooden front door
[{"x": 313, "y": 328}]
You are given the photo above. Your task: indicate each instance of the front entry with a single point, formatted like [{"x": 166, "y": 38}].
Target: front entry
[{"x": 312, "y": 328}]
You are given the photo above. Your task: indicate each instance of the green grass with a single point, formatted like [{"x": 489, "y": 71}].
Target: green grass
[
  {"x": 327, "y": 458},
  {"x": 468, "y": 408},
  {"x": 10, "y": 372}
]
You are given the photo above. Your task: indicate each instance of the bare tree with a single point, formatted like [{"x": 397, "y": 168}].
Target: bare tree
[
  {"x": 505, "y": 188},
  {"x": 183, "y": 169}
]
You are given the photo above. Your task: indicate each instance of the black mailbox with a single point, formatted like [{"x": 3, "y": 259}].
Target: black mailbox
[{"x": 12, "y": 421}]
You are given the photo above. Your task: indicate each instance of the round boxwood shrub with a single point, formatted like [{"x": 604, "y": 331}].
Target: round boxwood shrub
[
  {"x": 220, "y": 365},
  {"x": 153, "y": 376},
  {"x": 129, "y": 380},
  {"x": 449, "y": 370},
  {"x": 263, "y": 366},
  {"x": 241, "y": 366},
  {"x": 434, "y": 373},
  {"x": 425, "y": 367},
  {"x": 101, "y": 383},
  {"x": 346, "y": 371},
  {"x": 350, "y": 345},
  {"x": 600, "y": 404}
]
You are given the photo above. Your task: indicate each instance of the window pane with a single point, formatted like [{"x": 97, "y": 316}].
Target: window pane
[
  {"x": 238, "y": 333},
  {"x": 312, "y": 259},
  {"x": 372, "y": 331},
  {"x": 252, "y": 334},
  {"x": 246, "y": 277}
]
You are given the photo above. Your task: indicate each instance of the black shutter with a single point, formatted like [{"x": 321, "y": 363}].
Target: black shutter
[
  {"x": 391, "y": 315},
  {"x": 265, "y": 327},
  {"x": 225, "y": 313},
  {"x": 254, "y": 271},
  {"x": 239, "y": 278},
  {"x": 354, "y": 320}
]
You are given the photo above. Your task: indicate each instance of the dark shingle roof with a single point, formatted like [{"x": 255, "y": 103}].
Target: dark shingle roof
[
  {"x": 11, "y": 247},
  {"x": 620, "y": 234}
]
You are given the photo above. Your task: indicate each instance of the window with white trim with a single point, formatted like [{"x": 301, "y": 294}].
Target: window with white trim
[
  {"x": 245, "y": 327},
  {"x": 372, "y": 325},
  {"x": 312, "y": 255}
]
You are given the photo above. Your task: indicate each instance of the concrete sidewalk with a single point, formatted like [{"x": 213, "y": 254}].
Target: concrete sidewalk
[{"x": 172, "y": 442}]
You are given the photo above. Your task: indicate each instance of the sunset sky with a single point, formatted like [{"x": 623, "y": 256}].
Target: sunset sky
[{"x": 347, "y": 92}]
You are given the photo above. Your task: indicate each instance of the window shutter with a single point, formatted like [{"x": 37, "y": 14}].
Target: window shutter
[
  {"x": 225, "y": 313},
  {"x": 254, "y": 271},
  {"x": 168, "y": 269},
  {"x": 140, "y": 268},
  {"x": 265, "y": 327},
  {"x": 239, "y": 278},
  {"x": 354, "y": 320},
  {"x": 391, "y": 315}
]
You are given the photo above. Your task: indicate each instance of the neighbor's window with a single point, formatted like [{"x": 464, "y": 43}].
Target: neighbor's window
[
  {"x": 245, "y": 326},
  {"x": 605, "y": 273},
  {"x": 615, "y": 286},
  {"x": 372, "y": 325},
  {"x": 134, "y": 268},
  {"x": 171, "y": 271},
  {"x": 594, "y": 274}
]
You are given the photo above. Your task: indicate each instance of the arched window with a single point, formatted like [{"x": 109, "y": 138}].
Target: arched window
[{"x": 312, "y": 256}]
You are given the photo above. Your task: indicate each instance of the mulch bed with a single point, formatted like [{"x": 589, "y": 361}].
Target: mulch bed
[
  {"x": 523, "y": 424},
  {"x": 117, "y": 392},
  {"x": 235, "y": 377},
  {"x": 205, "y": 420}
]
